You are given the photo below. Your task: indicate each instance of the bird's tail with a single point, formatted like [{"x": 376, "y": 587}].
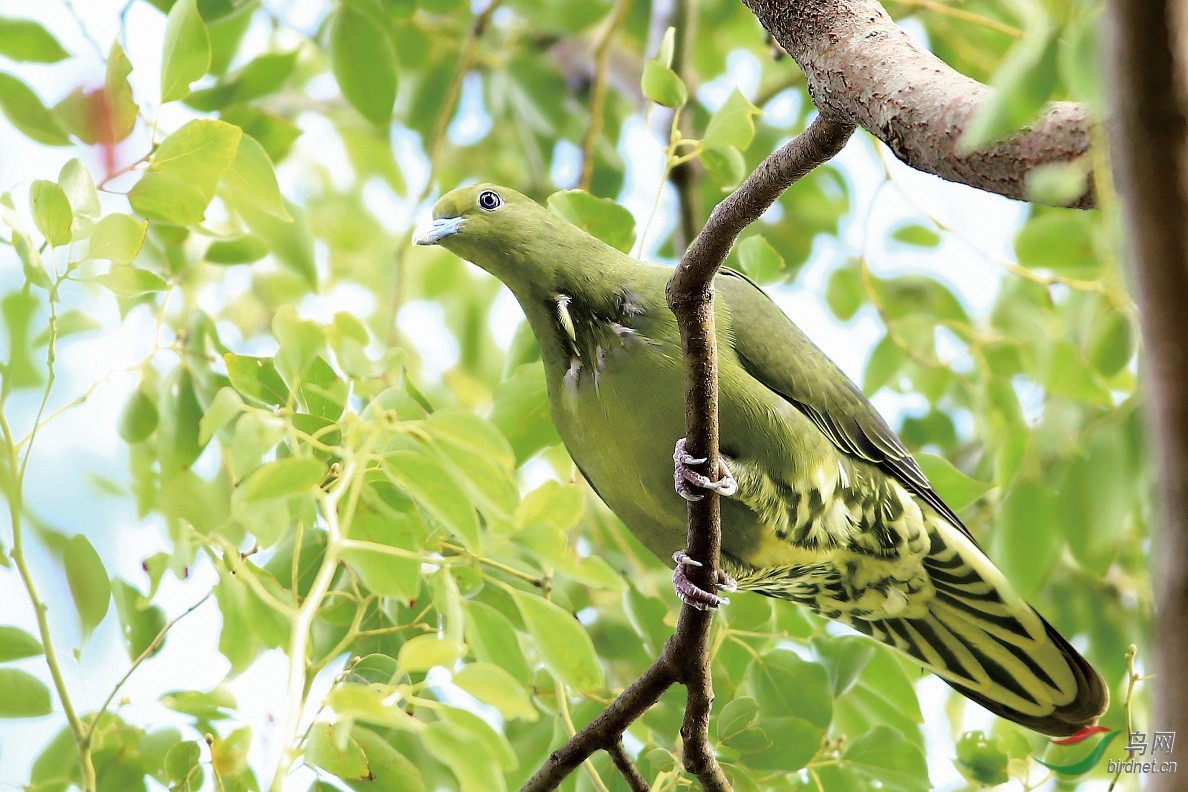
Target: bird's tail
[{"x": 983, "y": 639}]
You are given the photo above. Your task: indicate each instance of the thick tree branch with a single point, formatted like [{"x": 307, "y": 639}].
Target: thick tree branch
[
  {"x": 1149, "y": 144},
  {"x": 685, "y": 658},
  {"x": 861, "y": 66}
]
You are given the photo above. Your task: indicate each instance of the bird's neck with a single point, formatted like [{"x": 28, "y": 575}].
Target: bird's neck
[{"x": 588, "y": 308}]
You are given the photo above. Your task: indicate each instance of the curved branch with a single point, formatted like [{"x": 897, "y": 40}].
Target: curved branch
[
  {"x": 685, "y": 658},
  {"x": 861, "y": 66}
]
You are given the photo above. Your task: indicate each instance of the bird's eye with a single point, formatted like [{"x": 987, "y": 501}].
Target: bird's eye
[{"x": 489, "y": 201}]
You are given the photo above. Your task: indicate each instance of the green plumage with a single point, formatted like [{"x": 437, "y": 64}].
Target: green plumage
[{"x": 831, "y": 511}]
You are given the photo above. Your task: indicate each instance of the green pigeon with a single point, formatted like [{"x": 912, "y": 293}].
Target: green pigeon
[{"x": 822, "y": 503}]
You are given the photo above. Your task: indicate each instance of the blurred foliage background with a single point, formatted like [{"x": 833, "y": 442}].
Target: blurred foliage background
[{"x": 285, "y": 507}]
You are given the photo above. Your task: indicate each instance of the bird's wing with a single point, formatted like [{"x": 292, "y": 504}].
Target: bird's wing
[{"x": 778, "y": 354}]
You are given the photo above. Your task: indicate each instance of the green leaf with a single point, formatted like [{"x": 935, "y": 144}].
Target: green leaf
[
  {"x": 385, "y": 574},
  {"x": 89, "y": 584},
  {"x": 117, "y": 238},
  {"x": 1023, "y": 83},
  {"x": 787, "y": 685},
  {"x": 168, "y": 199},
  {"x": 733, "y": 124},
  {"x": 346, "y": 760},
  {"x": 76, "y": 182},
  {"x": 759, "y": 260},
  {"x": 16, "y": 644},
  {"x": 198, "y": 153},
  {"x": 564, "y": 645},
  {"x": 186, "y": 53},
  {"x": 252, "y": 176},
  {"x": 492, "y": 639},
  {"x": 366, "y": 703},
  {"x": 1112, "y": 344},
  {"x": 1058, "y": 183},
  {"x": 726, "y": 164},
  {"x": 237, "y": 250},
  {"x": 391, "y": 771},
  {"x": 492, "y": 685},
  {"x": 182, "y": 766},
  {"x": 117, "y": 94},
  {"x": 261, "y": 76},
  {"x": 738, "y": 714},
  {"x": 662, "y": 85},
  {"x": 667, "y": 46},
  {"x": 482, "y": 457},
  {"x": 28, "y": 114},
  {"x": 125, "y": 281},
  {"x": 881, "y": 757},
  {"x": 521, "y": 411},
  {"x": 422, "y": 652},
  {"x": 844, "y": 292},
  {"x": 916, "y": 235},
  {"x": 600, "y": 217},
  {"x": 256, "y": 379},
  {"x": 363, "y": 60},
  {"x": 470, "y": 760},
  {"x": 284, "y": 477},
  {"x": 1057, "y": 240},
  {"x": 844, "y": 657},
  {"x": 955, "y": 488},
  {"x": 51, "y": 211},
  {"x": 139, "y": 417},
  {"x": 140, "y": 620},
  {"x": 27, "y": 41},
  {"x": 434, "y": 489},
  {"x": 22, "y": 695},
  {"x": 1022, "y": 548},
  {"x": 982, "y": 759},
  {"x": 224, "y": 409}
]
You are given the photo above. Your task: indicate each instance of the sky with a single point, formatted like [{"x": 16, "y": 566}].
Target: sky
[{"x": 80, "y": 445}]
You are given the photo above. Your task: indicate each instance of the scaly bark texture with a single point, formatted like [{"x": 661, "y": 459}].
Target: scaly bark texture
[
  {"x": 1149, "y": 145},
  {"x": 861, "y": 66}
]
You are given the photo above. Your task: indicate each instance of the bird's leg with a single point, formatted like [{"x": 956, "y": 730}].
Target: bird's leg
[
  {"x": 694, "y": 595},
  {"x": 687, "y": 479}
]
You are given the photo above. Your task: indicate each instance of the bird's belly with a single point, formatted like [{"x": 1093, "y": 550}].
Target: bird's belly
[{"x": 620, "y": 428}]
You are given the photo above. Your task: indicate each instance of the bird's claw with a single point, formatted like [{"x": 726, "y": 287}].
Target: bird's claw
[
  {"x": 692, "y": 594},
  {"x": 687, "y": 480}
]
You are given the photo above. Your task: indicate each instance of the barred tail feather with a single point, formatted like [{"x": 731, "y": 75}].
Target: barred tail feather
[{"x": 983, "y": 639}]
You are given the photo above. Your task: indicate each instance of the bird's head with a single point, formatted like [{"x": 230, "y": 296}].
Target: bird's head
[{"x": 510, "y": 236}]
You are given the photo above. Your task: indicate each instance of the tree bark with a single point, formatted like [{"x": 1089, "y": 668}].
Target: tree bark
[
  {"x": 1149, "y": 145},
  {"x": 861, "y": 66}
]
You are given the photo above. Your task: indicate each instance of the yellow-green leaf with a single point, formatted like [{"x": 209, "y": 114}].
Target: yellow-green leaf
[
  {"x": 284, "y": 477},
  {"x": 733, "y": 124},
  {"x": 26, "y": 40},
  {"x": 125, "y": 281},
  {"x": 28, "y": 113},
  {"x": 51, "y": 211},
  {"x": 423, "y": 652},
  {"x": 252, "y": 176},
  {"x": 662, "y": 85},
  {"x": 22, "y": 695},
  {"x": 363, "y": 60},
  {"x": 563, "y": 643},
  {"x": 16, "y": 644},
  {"x": 492, "y": 685},
  {"x": 89, "y": 584},
  {"x": 117, "y": 238},
  {"x": 186, "y": 54}
]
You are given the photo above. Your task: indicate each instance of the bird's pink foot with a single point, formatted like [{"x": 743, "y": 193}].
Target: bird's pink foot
[
  {"x": 692, "y": 594},
  {"x": 689, "y": 481}
]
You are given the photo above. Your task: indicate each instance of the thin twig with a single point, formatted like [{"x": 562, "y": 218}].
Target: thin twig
[
  {"x": 598, "y": 88},
  {"x": 145, "y": 655}
]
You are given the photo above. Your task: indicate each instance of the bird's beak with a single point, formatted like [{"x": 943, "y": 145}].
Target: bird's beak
[{"x": 439, "y": 229}]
